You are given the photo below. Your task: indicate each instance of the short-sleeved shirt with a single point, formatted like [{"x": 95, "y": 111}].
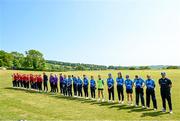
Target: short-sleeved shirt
[
  {"x": 165, "y": 84},
  {"x": 100, "y": 83}
]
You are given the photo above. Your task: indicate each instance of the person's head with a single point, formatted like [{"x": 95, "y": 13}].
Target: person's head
[
  {"x": 119, "y": 75},
  {"x": 99, "y": 76},
  {"x": 84, "y": 76},
  {"x": 136, "y": 76},
  {"x": 110, "y": 75},
  {"x": 78, "y": 77},
  {"x": 60, "y": 74},
  {"x": 163, "y": 74},
  {"x": 72, "y": 76},
  {"x": 69, "y": 76},
  {"x": 148, "y": 77},
  {"x": 51, "y": 74},
  {"x": 92, "y": 77},
  {"x": 65, "y": 76},
  {"x": 127, "y": 76},
  {"x": 44, "y": 73}
]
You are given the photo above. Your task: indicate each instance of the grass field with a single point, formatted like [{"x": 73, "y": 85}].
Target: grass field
[{"x": 16, "y": 104}]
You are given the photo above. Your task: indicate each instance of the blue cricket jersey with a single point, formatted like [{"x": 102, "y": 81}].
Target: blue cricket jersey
[
  {"x": 150, "y": 84},
  {"x": 85, "y": 81},
  {"x": 110, "y": 82},
  {"x": 138, "y": 82},
  {"x": 128, "y": 83},
  {"x": 120, "y": 81},
  {"x": 92, "y": 83}
]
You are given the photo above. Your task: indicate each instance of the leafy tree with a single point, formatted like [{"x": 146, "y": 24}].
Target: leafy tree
[{"x": 35, "y": 60}]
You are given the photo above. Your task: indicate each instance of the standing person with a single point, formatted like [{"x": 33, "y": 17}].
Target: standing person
[
  {"x": 100, "y": 84},
  {"x": 61, "y": 83},
  {"x": 74, "y": 85},
  {"x": 139, "y": 84},
  {"x": 150, "y": 85},
  {"x": 93, "y": 88},
  {"x": 120, "y": 90},
  {"x": 110, "y": 84},
  {"x": 21, "y": 80},
  {"x": 85, "y": 85},
  {"x": 65, "y": 85},
  {"x": 31, "y": 81},
  {"x": 55, "y": 83},
  {"x": 69, "y": 85},
  {"x": 165, "y": 89},
  {"x": 18, "y": 79},
  {"x": 79, "y": 84},
  {"x": 51, "y": 80},
  {"x": 39, "y": 83},
  {"x": 45, "y": 82},
  {"x": 129, "y": 90},
  {"x": 14, "y": 80},
  {"x": 28, "y": 81}
]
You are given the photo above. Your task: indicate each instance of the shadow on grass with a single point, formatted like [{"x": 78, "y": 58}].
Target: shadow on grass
[
  {"x": 153, "y": 114},
  {"x": 145, "y": 112}
]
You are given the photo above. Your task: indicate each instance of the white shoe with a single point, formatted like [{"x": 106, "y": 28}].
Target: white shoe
[
  {"x": 171, "y": 112},
  {"x": 119, "y": 102},
  {"x": 155, "y": 109},
  {"x": 143, "y": 106},
  {"x": 113, "y": 101},
  {"x": 136, "y": 105},
  {"x": 131, "y": 104},
  {"x": 122, "y": 102},
  {"x": 103, "y": 100},
  {"x": 147, "y": 107}
]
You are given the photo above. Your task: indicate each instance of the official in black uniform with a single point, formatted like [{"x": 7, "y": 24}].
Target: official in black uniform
[
  {"x": 165, "y": 89},
  {"x": 45, "y": 81}
]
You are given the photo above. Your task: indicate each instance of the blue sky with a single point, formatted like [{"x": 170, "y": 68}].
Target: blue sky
[{"x": 109, "y": 32}]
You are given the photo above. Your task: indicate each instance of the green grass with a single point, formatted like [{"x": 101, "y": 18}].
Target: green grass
[{"x": 16, "y": 104}]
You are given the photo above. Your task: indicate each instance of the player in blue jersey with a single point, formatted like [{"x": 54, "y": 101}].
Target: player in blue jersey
[
  {"x": 79, "y": 84},
  {"x": 75, "y": 86},
  {"x": 69, "y": 85},
  {"x": 65, "y": 85},
  {"x": 139, "y": 85},
  {"x": 93, "y": 88},
  {"x": 150, "y": 85},
  {"x": 129, "y": 90},
  {"x": 110, "y": 84},
  {"x": 120, "y": 90},
  {"x": 85, "y": 86}
]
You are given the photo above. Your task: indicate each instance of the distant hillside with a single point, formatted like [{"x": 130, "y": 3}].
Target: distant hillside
[{"x": 34, "y": 60}]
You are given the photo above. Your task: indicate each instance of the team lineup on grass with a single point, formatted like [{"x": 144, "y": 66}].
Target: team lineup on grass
[{"x": 70, "y": 83}]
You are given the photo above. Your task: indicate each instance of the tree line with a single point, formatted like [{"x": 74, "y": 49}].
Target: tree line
[{"x": 34, "y": 60}]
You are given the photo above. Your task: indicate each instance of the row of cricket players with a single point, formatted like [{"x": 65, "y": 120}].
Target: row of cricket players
[{"x": 71, "y": 83}]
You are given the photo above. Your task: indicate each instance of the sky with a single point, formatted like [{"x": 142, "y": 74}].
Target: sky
[{"x": 105, "y": 32}]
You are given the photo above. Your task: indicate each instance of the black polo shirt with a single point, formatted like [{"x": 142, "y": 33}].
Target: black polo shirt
[{"x": 165, "y": 84}]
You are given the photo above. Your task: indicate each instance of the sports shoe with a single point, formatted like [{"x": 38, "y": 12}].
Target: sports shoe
[
  {"x": 122, "y": 102},
  {"x": 113, "y": 101},
  {"x": 155, "y": 109},
  {"x": 136, "y": 105},
  {"x": 148, "y": 107},
  {"x": 103, "y": 100},
  {"x": 163, "y": 110},
  {"x": 143, "y": 106},
  {"x": 171, "y": 112}
]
